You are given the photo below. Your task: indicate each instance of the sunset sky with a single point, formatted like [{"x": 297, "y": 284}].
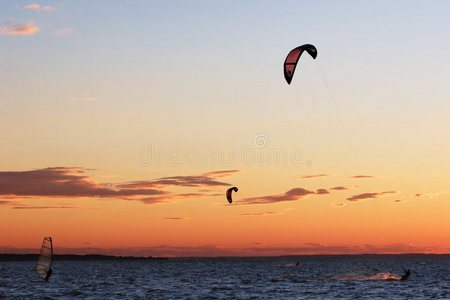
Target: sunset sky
[{"x": 123, "y": 123}]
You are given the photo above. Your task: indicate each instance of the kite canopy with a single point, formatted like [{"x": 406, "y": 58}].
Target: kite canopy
[
  {"x": 292, "y": 58},
  {"x": 235, "y": 189}
]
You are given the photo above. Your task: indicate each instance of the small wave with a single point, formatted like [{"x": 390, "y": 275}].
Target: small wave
[
  {"x": 75, "y": 293},
  {"x": 378, "y": 276},
  {"x": 153, "y": 290},
  {"x": 385, "y": 276},
  {"x": 288, "y": 265},
  {"x": 220, "y": 288}
]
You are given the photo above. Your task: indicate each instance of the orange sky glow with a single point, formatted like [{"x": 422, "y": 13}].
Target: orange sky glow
[{"x": 122, "y": 138}]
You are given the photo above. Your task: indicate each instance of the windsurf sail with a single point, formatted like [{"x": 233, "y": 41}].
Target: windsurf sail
[{"x": 44, "y": 263}]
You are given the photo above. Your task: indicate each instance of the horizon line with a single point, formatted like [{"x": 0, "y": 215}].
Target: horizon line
[{"x": 223, "y": 256}]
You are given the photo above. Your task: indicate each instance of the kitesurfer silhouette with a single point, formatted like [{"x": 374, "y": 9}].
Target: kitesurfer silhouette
[
  {"x": 406, "y": 275},
  {"x": 297, "y": 264},
  {"x": 49, "y": 273}
]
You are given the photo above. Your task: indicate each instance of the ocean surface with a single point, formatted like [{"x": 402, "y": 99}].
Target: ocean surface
[{"x": 316, "y": 277}]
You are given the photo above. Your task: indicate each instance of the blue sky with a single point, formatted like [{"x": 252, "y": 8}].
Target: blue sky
[{"x": 382, "y": 68}]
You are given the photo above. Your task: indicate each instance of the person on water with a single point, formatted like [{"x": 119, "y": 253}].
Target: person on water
[
  {"x": 49, "y": 273},
  {"x": 406, "y": 275}
]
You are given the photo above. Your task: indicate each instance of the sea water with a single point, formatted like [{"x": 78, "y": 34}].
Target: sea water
[{"x": 315, "y": 277}]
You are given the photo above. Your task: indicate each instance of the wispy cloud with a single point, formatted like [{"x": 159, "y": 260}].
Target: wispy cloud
[
  {"x": 339, "y": 188},
  {"x": 43, "y": 207},
  {"x": 219, "y": 174},
  {"x": 73, "y": 182},
  {"x": 291, "y": 195},
  {"x": 64, "y": 31},
  {"x": 369, "y": 195},
  {"x": 311, "y": 176},
  {"x": 317, "y": 248},
  {"x": 174, "y": 218},
  {"x": 63, "y": 182},
  {"x": 9, "y": 202},
  {"x": 172, "y": 197},
  {"x": 19, "y": 29},
  {"x": 322, "y": 191},
  {"x": 432, "y": 195},
  {"x": 20, "y": 205},
  {"x": 362, "y": 177},
  {"x": 200, "y": 181},
  {"x": 265, "y": 213},
  {"x": 37, "y": 7}
]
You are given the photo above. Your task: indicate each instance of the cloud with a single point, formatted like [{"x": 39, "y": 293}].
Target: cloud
[
  {"x": 219, "y": 174},
  {"x": 63, "y": 182},
  {"x": 339, "y": 188},
  {"x": 20, "y": 205},
  {"x": 260, "y": 213},
  {"x": 19, "y": 29},
  {"x": 311, "y": 176},
  {"x": 43, "y": 207},
  {"x": 322, "y": 191},
  {"x": 8, "y": 202},
  {"x": 174, "y": 218},
  {"x": 291, "y": 195},
  {"x": 64, "y": 31},
  {"x": 432, "y": 195},
  {"x": 369, "y": 196},
  {"x": 362, "y": 177},
  {"x": 317, "y": 248},
  {"x": 171, "y": 197},
  {"x": 33, "y": 6},
  {"x": 37, "y": 7},
  {"x": 73, "y": 182},
  {"x": 203, "y": 181}
]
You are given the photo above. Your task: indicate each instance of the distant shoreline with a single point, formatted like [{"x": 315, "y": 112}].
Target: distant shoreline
[
  {"x": 61, "y": 257},
  {"x": 32, "y": 257}
]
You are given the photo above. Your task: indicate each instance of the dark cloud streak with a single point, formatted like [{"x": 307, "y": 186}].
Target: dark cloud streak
[
  {"x": 312, "y": 176},
  {"x": 291, "y": 195},
  {"x": 72, "y": 182},
  {"x": 62, "y": 182},
  {"x": 369, "y": 195}
]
